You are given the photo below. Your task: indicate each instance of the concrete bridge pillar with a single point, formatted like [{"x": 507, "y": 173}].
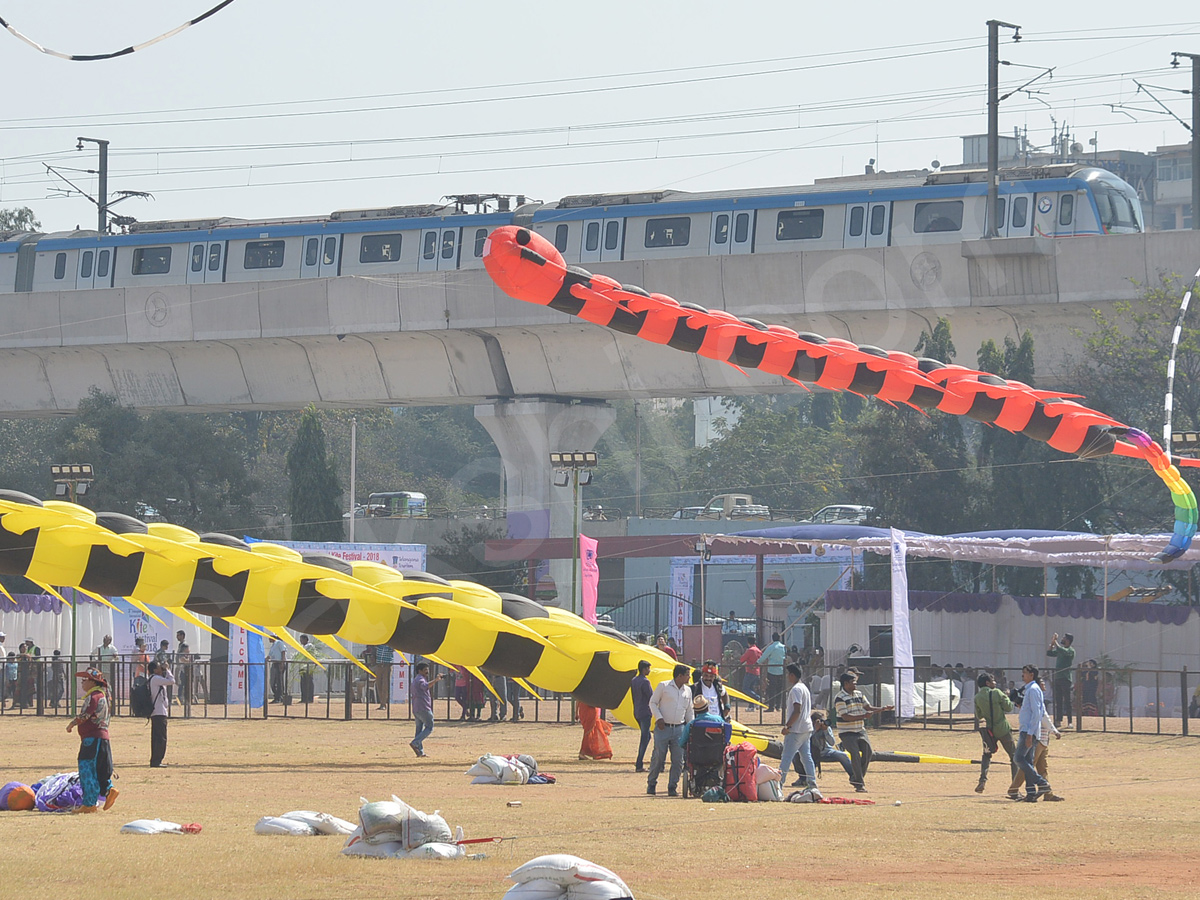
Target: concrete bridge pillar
[{"x": 525, "y": 432}]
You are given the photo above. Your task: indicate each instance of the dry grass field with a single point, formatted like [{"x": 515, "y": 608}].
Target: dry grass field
[{"x": 1128, "y": 829}]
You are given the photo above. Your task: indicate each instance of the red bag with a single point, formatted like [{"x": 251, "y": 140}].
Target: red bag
[{"x": 741, "y": 771}]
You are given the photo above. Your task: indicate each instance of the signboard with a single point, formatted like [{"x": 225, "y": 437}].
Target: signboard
[{"x": 402, "y": 557}]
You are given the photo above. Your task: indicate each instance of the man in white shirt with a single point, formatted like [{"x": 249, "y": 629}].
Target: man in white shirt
[
  {"x": 671, "y": 709},
  {"x": 161, "y": 680},
  {"x": 798, "y": 728}
]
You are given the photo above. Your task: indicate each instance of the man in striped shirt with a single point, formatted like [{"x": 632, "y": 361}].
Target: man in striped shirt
[{"x": 852, "y": 712}]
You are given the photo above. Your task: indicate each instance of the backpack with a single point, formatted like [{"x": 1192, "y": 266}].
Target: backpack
[
  {"x": 141, "y": 704},
  {"x": 741, "y": 770}
]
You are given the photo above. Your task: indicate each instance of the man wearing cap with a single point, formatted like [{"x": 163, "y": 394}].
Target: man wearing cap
[
  {"x": 852, "y": 713},
  {"x": 95, "y": 753},
  {"x": 823, "y": 748},
  {"x": 707, "y": 684},
  {"x": 671, "y": 709},
  {"x": 797, "y": 728}
]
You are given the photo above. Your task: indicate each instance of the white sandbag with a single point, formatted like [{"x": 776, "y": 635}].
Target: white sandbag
[
  {"x": 152, "y": 826},
  {"x": 538, "y": 889},
  {"x": 379, "y": 851},
  {"x": 564, "y": 869},
  {"x": 437, "y": 850},
  {"x": 770, "y": 791},
  {"x": 804, "y": 796},
  {"x": 322, "y": 823},
  {"x": 280, "y": 825},
  {"x": 384, "y": 822},
  {"x": 598, "y": 890},
  {"x": 482, "y": 770},
  {"x": 485, "y": 779},
  {"x": 766, "y": 773}
]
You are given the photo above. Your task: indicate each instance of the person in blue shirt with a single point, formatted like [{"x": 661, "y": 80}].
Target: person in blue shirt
[
  {"x": 772, "y": 661},
  {"x": 704, "y": 718},
  {"x": 1033, "y": 707},
  {"x": 642, "y": 691}
]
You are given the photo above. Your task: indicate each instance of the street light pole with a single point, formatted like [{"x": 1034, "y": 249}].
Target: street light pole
[
  {"x": 1195, "y": 58},
  {"x": 574, "y": 468},
  {"x": 993, "y": 137}
]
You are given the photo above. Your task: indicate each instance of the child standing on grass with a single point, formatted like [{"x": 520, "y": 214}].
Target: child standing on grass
[{"x": 95, "y": 753}]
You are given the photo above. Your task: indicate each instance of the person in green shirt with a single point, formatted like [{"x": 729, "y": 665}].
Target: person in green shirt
[
  {"x": 991, "y": 708},
  {"x": 1064, "y": 653}
]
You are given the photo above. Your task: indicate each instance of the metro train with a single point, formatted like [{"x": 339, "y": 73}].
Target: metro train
[{"x": 1055, "y": 201}]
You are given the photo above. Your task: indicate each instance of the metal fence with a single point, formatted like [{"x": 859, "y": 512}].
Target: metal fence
[{"x": 1114, "y": 700}]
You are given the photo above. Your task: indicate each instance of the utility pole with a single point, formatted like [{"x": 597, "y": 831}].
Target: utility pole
[
  {"x": 993, "y": 145},
  {"x": 1195, "y": 58},
  {"x": 102, "y": 198}
]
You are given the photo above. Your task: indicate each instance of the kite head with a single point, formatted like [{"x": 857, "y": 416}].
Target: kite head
[{"x": 524, "y": 264}]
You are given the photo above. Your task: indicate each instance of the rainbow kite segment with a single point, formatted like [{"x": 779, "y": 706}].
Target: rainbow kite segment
[{"x": 528, "y": 267}]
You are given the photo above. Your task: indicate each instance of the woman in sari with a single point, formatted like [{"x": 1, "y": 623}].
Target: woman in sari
[{"x": 595, "y": 743}]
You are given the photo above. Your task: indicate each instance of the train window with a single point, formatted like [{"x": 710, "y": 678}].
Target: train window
[
  {"x": 198, "y": 258},
  {"x": 379, "y": 248},
  {"x": 480, "y": 241},
  {"x": 857, "y": 217},
  {"x": 60, "y": 265},
  {"x": 560, "y": 238},
  {"x": 330, "y": 256},
  {"x": 741, "y": 230},
  {"x": 612, "y": 235},
  {"x": 593, "y": 236},
  {"x": 938, "y": 216},
  {"x": 1066, "y": 209},
  {"x": 721, "y": 231},
  {"x": 879, "y": 218},
  {"x": 85, "y": 264},
  {"x": 312, "y": 249},
  {"x": 673, "y": 232},
  {"x": 151, "y": 261},
  {"x": 214, "y": 257},
  {"x": 447, "y": 244},
  {"x": 264, "y": 255},
  {"x": 800, "y": 224},
  {"x": 1001, "y": 209},
  {"x": 429, "y": 251},
  {"x": 1020, "y": 212},
  {"x": 102, "y": 265}
]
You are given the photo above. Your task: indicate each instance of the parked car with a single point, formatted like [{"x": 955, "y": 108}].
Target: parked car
[
  {"x": 687, "y": 512},
  {"x": 734, "y": 506},
  {"x": 840, "y": 514}
]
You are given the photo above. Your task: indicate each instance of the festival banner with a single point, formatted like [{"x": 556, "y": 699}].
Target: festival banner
[
  {"x": 680, "y": 606},
  {"x": 238, "y": 657},
  {"x": 902, "y": 652},
  {"x": 589, "y": 576},
  {"x": 402, "y": 557}
]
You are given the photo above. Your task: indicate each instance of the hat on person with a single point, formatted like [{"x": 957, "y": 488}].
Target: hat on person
[
  {"x": 699, "y": 704},
  {"x": 91, "y": 673},
  {"x": 708, "y": 669}
]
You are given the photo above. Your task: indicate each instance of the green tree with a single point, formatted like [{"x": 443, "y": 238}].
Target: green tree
[
  {"x": 315, "y": 495},
  {"x": 460, "y": 554},
  {"x": 19, "y": 219}
]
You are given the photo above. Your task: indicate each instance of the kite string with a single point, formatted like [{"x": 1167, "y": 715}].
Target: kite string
[
  {"x": 1169, "y": 400},
  {"x": 77, "y": 57}
]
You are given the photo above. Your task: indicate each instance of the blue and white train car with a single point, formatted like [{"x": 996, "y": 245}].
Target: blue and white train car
[{"x": 948, "y": 207}]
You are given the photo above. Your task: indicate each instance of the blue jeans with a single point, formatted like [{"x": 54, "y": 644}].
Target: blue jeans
[
  {"x": 424, "y": 722},
  {"x": 644, "y": 741},
  {"x": 840, "y": 756},
  {"x": 793, "y": 744},
  {"x": 750, "y": 686},
  {"x": 1025, "y": 753},
  {"x": 666, "y": 739}
]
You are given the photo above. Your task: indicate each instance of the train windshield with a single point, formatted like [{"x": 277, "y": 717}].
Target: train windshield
[{"x": 1117, "y": 203}]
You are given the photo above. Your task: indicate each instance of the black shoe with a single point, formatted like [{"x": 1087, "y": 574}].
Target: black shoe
[
  {"x": 979, "y": 787},
  {"x": 651, "y": 791},
  {"x": 671, "y": 793},
  {"x": 799, "y": 782},
  {"x": 639, "y": 768},
  {"x": 1030, "y": 797},
  {"x": 862, "y": 788}
]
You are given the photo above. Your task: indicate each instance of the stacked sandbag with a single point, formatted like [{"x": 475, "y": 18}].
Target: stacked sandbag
[
  {"x": 770, "y": 782},
  {"x": 493, "y": 769},
  {"x": 303, "y": 822},
  {"x": 17, "y": 797},
  {"x": 561, "y": 876},
  {"x": 395, "y": 830}
]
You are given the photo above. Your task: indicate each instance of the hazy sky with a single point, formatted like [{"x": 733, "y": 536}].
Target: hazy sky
[{"x": 278, "y": 108}]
